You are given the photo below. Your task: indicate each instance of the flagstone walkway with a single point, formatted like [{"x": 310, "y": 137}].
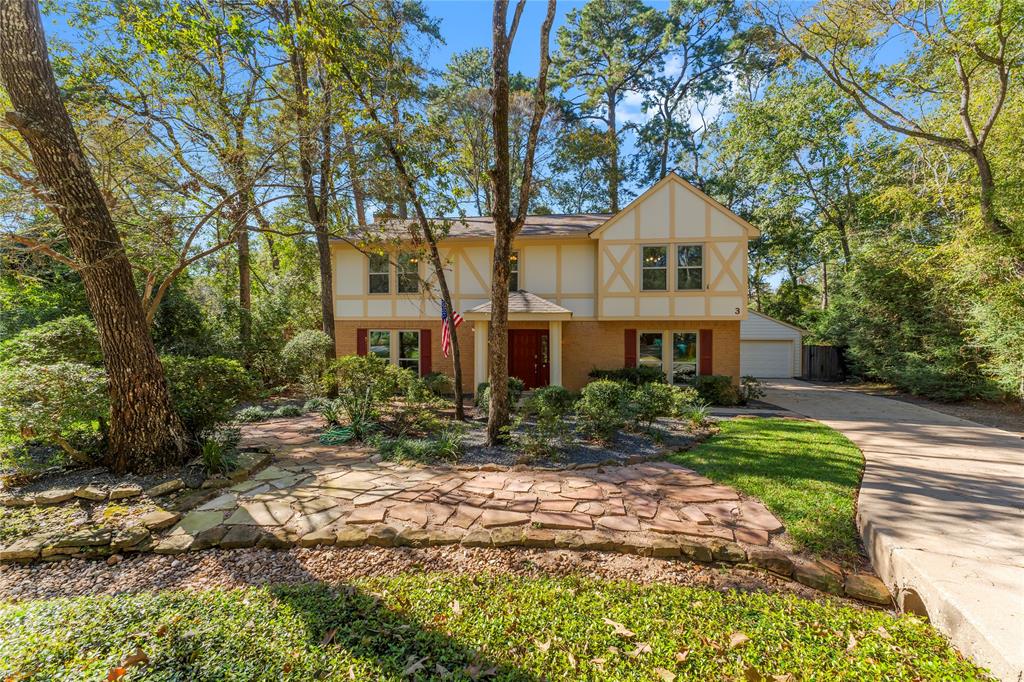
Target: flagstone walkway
[{"x": 326, "y": 495}]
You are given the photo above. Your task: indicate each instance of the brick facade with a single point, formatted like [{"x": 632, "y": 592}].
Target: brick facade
[{"x": 585, "y": 344}]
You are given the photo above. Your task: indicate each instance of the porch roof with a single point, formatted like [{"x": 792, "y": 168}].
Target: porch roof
[{"x": 522, "y": 305}]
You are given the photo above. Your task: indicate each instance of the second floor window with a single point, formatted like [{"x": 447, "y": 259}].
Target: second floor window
[
  {"x": 513, "y": 271},
  {"x": 654, "y": 268},
  {"x": 689, "y": 267},
  {"x": 380, "y": 280},
  {"x": 408, "y": 273}
]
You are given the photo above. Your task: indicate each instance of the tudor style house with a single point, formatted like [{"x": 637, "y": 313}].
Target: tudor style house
[{"x": 662, "y": 283}]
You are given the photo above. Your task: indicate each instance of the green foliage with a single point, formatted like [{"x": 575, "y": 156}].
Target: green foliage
[
  {"x": 446, "y": 446},
  {"x": 288, "y": 411},
  {"x": 253, "y": 413},
  {"x": 205, "y": 390},
  {"x": 377, "y": 627},
  {"x": 695, "y": 413},
  {"x": 219, "y": 451},
  {"x": 34, "y": 291},
  {"x": 603, "y": 408},
  {"x": 653, "y": 400},
  {"x": 66, "y": 339},
  {"x": 716, "y": 390},
  {"x": 515, "y": 392},
  {"x": 305, "y": 358},
  {"x": 751, "y": 389},
  {"x": 315, "y": 404},
  {"x": 365, "y": 384},
  {"x": 64, "y": 404},
  {"x": 439, "y": 384},
  {"x": 548, "y": 408},
  {"x": 806, "y": 473},
  {"x": 643, "y": 374}
]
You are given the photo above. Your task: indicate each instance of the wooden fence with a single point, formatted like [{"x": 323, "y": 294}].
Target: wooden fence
[{"x": 824, "y": 363}]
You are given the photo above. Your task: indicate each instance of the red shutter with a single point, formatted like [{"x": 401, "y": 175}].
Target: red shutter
[
  {"x": 425, "y": 355},
  {"x": 361, "y": 341},
  {"x": 706, "y": 343},
  {"x": 630, "y": 348}
]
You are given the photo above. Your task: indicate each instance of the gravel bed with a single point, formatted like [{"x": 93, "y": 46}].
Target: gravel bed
[
  {"x": 224, "y": 569},
  {"x": 103, "y": 478},
  {"x": 626, "y": 446}
]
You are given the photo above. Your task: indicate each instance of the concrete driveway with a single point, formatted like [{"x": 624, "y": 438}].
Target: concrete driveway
[{"x": 941, "y": 513}]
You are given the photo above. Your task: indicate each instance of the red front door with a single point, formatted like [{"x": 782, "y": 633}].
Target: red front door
[{"x": 528, "y": 356}]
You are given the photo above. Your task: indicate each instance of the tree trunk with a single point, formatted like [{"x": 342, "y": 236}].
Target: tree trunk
[
  {"x": 987, "y": 195},
  {"x": 613, "y": 155},
  {"x": 144, "y": 432},
  {"x": 435, "y": 259},
  {"x": 358, "y": 192},
  {"x": 244, "y": 277},
  {"x": 824, "y": 284}
]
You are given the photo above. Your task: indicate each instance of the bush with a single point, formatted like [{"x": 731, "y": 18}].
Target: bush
[
  {"x": 68, "y": 339},
  {"x": 445, "y": 447},
  {"x": 306, "y": 357},
  {"x": 716, "y": 389},
  {"x": 549, "y": 406},
  {"x": 696, "y": 414},
  {"x": 751, "y": 389},
  {"x": 603, "y": 408},
  {"x": 650, "y": 401},
  {"x": 365, "y": 383},
  {"x": 643, "y": 374},
  {"x": 219, "y": 451},
  {"x": 315, "y": 404},
  {"x": 288, "y": 411},
  {"x": 253, "y": 413},
  {"x": 205, "y": 390},
  {"x": 64, "y": 404},
  {"x": 439, "y": 384},
  {"x": 684, "y": 397},
  {"x": 515, "y": 391}
]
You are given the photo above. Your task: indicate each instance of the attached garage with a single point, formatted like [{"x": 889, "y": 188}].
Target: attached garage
[{"x": 770, "y": 348}]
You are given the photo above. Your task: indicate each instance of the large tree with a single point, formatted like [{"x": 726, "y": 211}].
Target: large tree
[
  {"x": 144, "y": 431},
  {"x": 510, "y": 202},
  {"x": 605, "y": 51}
]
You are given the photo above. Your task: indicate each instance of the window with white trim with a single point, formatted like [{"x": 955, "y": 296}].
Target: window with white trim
[
  {"x": 408, "y": 266},
  {"x": 654, "y": 268},
  {"x": 684, "y": 357},
  {"x": 650, "y": 349},
  {"x": 681, "y": 365},
  {"x": 380, "y": 343},
  {"x": 380, "y": 274},
  {"x": 689, "y": 267},
  {"x": 409, "y": 350},
  {"x": 398, "y": 346}
]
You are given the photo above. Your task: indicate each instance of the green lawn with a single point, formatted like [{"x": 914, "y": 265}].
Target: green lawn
[
  {"x": 805, "y": 472},
  {"x": 510, "y": 628}
]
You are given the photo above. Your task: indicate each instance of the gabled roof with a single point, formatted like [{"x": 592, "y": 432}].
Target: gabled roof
[
  {"x": 523, "y": 303},
  {"x": 777, "y": 321},
  {"x": 482, "y": 227},
  {"x": 752, "y": 231}
]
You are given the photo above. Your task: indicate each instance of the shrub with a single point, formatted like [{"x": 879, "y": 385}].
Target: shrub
[
  {"x": 219, "y": 451},
  {"x": 684, "y": 396},
  {"x": 253, "y": 413},
  {"x": 515, "y": 391},
  {"x": 306, "y": 357},
  {"x": 315, "y": 404},
  {"x": 64, "y": 404},
  {"x": 603, "y": 408},
  {"x": 751, "y": 389},
  {"x": 446, "y": 447},
  {"x": 549, "y": 406},
  {"x": 643, "y": 374},
  {"x": 365, "y": 383},
  {"x": 650, "y": 401},
  {"x": 68, "y": 339},
  {"x": 696, "y": 414},
  {"x": 205, "y": 390},
  {"x": 288, "y": 411},
  {"x": 439, "y": 384},
  {"x": 716, "y": 389}
]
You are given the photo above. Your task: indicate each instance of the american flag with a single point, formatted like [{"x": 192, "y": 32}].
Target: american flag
[{"x": 446, "y": 338}]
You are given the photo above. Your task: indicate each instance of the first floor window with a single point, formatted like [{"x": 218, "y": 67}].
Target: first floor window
[
  {"x": 409, "y": 350},
  {"x": 654, "y": 268},
  {"x": 689, "y": 267},
  {"x": 684, "y": 356},
  {"x": 408, "y": 273},
  {"x": 650, "y": 349},
  {"x": 379, "y": 274},
  {"x": 380, "y": 344}
]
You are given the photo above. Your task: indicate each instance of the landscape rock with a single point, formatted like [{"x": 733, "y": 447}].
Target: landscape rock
[
  {"x": 820, "y": 577},
  {"x": 16, "y": 501},
  {"x": 381, "y": 535},
  {"x": 478, "y": 537},
  {"x": 165, "y": 488},
  {"x": 695, "y": 550},
  {"x": 126, "y": 538},
  {"x": 324, "y": 536},
  {"x": 159, "y": 519},
  {"x": 209, "y": 537},
  {"x": 770, "y": 560},
  {"x": 23, "y": 548},
  {"x": 125, "y": 491},
  {"x": 173, "y": 544},
  {"x": 91, "y": 492},
  {"x": 240, "y": 536},
  {"x": 728, "y": 552},
  {"x": 85, "y": 537},
  {"x": 867, "y": 588},
  {"x": 347, "y": 536},
  {"x": 55, "y": 496}
]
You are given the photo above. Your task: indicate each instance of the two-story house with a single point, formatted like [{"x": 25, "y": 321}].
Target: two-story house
[{"x": 662, "y": 283}]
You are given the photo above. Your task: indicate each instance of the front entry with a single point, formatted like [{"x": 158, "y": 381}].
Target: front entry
[{"x": 528, "y": 356}]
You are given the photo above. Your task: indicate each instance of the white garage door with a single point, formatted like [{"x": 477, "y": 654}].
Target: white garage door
[{"x": 766, "y": 359}]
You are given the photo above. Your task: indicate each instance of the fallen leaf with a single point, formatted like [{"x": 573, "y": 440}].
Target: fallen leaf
[
  {"x": 620, "y": 629},
  {"x": 572, "y": 660},
  {"x": 456, "y": 608},
  {"x": 115, "y": 674},
  {"x": 883, "y": 633},
  {"x": 543, "y": 646},
  {"x": 666, "y": 675},
  {"x": 737, "y": 639},
  {"x": 752, "y": 674},
  {"x": 138, "y": 658},
  {"x": 641, "y": 648},
  {"x": 161, "y": 631},
  {"x": 850, "y": 645},
  {"x": 682, "y": 655},
  {"x": 441, "y": 670},
  {"x": 413, "y": 665},
  {"x": 614, "y": 649},
  {"x": 787, "y": 677},
  {"x": 328, "y": 636}
]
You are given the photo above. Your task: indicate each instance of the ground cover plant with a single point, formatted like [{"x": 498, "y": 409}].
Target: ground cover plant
[
  {"x": 806, "y": 473},
  {"x": 438, "y": 626}
]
